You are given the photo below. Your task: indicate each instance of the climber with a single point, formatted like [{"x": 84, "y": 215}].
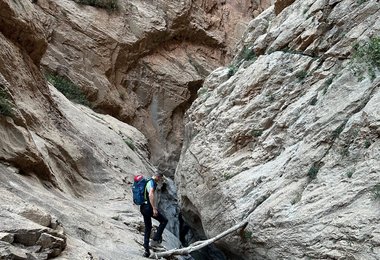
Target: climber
[{"x": 149, "y": 210}]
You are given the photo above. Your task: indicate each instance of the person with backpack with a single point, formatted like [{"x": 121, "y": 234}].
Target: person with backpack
[{"x": 149, "y": 210}]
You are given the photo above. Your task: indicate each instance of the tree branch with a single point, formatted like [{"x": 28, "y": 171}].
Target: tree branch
[{"x": 199, "y": 244}]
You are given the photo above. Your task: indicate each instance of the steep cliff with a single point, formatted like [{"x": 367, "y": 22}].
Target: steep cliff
[
  {"x": 287, "y": 137},
  {"x": 63, "y": 168},
  {"x": 144, "y": 62}
]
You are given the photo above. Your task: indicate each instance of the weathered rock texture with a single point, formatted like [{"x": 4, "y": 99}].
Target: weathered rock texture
[
  {"x": 145, "y": 62},
  {"x": 291, "y": 140},
  {"x": 64, "y": 169}
]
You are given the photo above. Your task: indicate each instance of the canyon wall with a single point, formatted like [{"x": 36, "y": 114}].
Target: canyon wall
[
  {"x": 66, "y": 170},
  {"x": 144, "y": 62},
  {"x": 287, "y": 137}
]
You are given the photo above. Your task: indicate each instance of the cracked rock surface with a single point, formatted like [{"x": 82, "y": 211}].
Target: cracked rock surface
[{"x": 290, "y": 139}]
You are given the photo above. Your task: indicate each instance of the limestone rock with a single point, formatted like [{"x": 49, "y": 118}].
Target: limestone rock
[
  {"x": 11, "y": 252},
  {"x": 6, "y": 237},
  {"x": 24, "y": 239},
  {"x": 38, "y": 216},
  {"x": 54, "y": 245},
  {"x": 144, "y": 63},
  {"x": 290, "y": 141},
  {"x": 21, "y": 23},
  {"x": 62, "y": 166}
]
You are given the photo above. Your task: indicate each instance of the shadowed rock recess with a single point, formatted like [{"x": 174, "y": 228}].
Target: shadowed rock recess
[{"x": 266, "y": 111}]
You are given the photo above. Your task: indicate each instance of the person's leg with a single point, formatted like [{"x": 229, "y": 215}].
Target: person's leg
[
  {"x": 163, "y": 221},
  {"x": 146, "y": 212}
]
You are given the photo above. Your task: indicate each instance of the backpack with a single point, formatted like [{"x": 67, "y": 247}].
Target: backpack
[{"x": 138, "y": 189}]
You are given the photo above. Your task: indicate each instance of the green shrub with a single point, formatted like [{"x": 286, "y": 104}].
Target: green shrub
[
  {"x": 361, "y": 1},
  {"x": 301, "y": 75},
  {"x": 106, "y": 4},
  {"x": 129, "y": 142},
  {"x": 270, "y": 97},
  {"x": 335, "y": 134},
  {"x": 247, "y": 234},
  {"x": 313, "y": 171},
  {"x": 368, "y": 53},
  {"x": 69, "y": 89},
  {"x": 350, "y": 173},
  {"x": 376, "y": 192},
  {"x": 256, "y": 132},
  {"x": 5, "y": 105},
  {"x": 231, "y": 70},
  {"x": 367, "y": 143},
  {"x": 247, "y": 54},
  {"x": 313, "y": 102},
  {"x": 327, "y": 84},
  {"x": 227, "y": 176}
]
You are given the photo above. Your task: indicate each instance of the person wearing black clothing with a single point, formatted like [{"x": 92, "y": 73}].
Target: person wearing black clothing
[{"x": 149, "y": 211}]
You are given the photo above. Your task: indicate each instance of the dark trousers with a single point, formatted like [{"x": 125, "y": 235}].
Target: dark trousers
[{"x": 147, "y": 212}]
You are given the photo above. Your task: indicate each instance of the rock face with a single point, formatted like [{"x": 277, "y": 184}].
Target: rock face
[
  {"x": 64, "y": 169},
  {"x": 144, "y": 62},
  {"x": 31, "y": 241},
  {"x": 288, "y": 137}
]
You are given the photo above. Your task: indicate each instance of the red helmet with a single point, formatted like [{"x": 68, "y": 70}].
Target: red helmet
[{"x": 138, "y": 178}]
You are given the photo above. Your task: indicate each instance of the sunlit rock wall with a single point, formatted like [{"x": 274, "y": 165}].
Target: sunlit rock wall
[{"x": 288, "y": 137}]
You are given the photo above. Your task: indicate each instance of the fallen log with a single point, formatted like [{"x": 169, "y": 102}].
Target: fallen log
[{"x": 199, "y": 244}]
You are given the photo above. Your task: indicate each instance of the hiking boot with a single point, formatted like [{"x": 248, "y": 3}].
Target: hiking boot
[
  {"x": 146, "y": 253},
  {"x": 155, "y": 243}
]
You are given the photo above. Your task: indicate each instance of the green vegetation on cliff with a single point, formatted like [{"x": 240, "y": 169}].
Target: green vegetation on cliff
[
  {"x": 5, "y": 105},
  {"x": 106, "y": 4},
  {"x": 68, "y": 88},
  {"x": 369, "y": 54}
]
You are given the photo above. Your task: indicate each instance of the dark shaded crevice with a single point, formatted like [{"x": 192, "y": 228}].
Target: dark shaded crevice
[
  {"x": 184, "y": 230},
  {"x": 228, "y": 255},
  {"x": 211, "y": 252},
  {"x": 193, "y": 88},
  {"x": 33, "y": 166},
  {"x": 22, "y": 33},
  {"x": 191, "y": 215},
  {"x": 188, "y": 235},
  {"x": 168, "y": 167},
  {"x": 279, "y": 6}
]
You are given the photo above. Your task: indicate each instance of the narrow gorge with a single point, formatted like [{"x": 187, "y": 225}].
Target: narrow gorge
[{"x": 258, "y": 111}]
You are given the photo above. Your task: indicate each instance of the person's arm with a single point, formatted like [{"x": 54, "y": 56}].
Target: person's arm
[{"x": 152, "y": 201}]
